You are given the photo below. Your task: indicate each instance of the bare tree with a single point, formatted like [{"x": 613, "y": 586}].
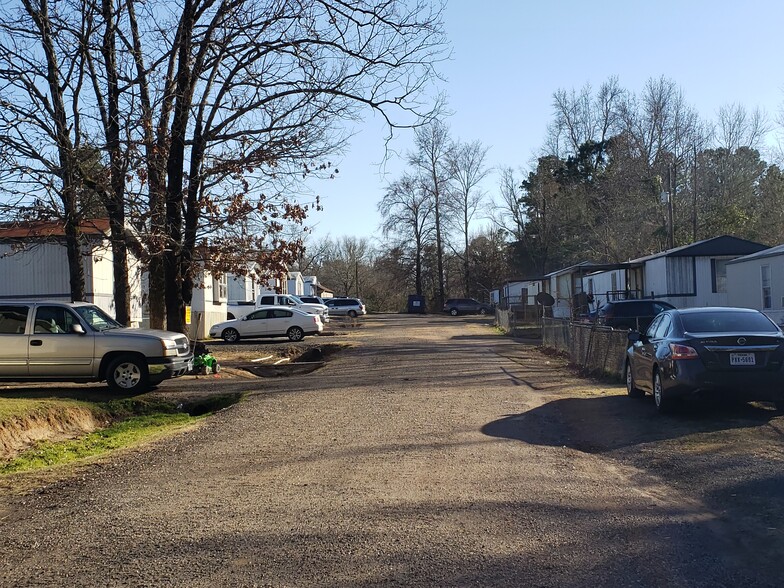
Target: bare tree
[
  {"x": 216, "y": 109},
  {"x": 39, "y": 124},
  {"x": 431, "y": 162},
  {"x": 407, "y": 213},
  {"x": 737, "y": 127},
  {"x": 467, "y": 168},
  {"x": 581, "y": 116},
  {"x": 509, "y": 214}
]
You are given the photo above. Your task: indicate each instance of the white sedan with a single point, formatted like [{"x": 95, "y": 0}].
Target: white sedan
[{"x": 270, "y": 321}]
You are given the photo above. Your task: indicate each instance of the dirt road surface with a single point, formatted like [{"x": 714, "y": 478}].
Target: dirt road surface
[{"x": 434, "y": 453}]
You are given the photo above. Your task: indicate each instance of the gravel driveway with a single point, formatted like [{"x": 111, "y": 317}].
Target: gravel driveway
[{"x": 433, "y": 453}]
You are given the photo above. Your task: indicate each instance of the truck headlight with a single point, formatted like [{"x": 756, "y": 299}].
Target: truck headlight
[{"x": 169, "y": 347}]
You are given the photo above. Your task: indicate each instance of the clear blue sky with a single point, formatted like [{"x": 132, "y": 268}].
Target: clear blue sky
[{"x": 510, "y": 56}]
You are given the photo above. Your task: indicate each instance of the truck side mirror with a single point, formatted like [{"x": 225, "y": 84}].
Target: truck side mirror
[{"x": 77, "y": 328}]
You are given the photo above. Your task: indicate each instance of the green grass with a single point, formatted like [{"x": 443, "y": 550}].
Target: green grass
[
  {"x": 127, "y": 432},
  {"x": 17, "y": 408}
]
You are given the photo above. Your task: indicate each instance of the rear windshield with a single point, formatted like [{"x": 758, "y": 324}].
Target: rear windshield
[{"x": 723, "y": 322}]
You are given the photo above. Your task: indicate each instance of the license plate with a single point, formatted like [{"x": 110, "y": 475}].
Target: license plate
[{"x": 742, "y": 359}]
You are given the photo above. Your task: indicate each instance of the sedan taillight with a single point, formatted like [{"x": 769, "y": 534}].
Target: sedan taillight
[{"x": 682, "y": 352}]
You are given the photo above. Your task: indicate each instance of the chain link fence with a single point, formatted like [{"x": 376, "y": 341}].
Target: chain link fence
[{"x": 596, "y": 349}]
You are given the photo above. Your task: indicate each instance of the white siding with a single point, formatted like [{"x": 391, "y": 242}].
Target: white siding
[
  {"x": 241, "y": 288},
  {"x": 38, "y": 272},
  {"x": 205, "y": 311},
  {"x": 514, "y": 291},
  {"x": 655, "y": 277},
  {"x": 601, "y": 283},
  {"x": 744, "y": 285}
]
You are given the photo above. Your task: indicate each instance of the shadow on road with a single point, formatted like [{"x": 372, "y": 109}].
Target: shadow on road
[{"x": 607, "y": 423}]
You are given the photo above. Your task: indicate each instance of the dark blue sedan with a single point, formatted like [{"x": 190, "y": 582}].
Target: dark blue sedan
[{"x": 707, "y": 350}]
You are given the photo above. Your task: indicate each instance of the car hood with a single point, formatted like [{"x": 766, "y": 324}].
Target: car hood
[
  {"x": 132, "y": 332},
  {"x": 224, "y": 324}
]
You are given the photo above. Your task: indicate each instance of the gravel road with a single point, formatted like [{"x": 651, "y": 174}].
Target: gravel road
[{"x": 434, "y": 453}]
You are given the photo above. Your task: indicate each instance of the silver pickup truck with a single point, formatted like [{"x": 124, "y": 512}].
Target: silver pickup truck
[{"x": 43, "y": 340}]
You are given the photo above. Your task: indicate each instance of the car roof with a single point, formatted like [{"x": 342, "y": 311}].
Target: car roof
[
  {"x": 714, "y": 309},
  {"x": 44, "y": 301}
]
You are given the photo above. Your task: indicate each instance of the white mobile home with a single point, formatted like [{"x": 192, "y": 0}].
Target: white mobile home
[
  {"x": 34, "y": 264},
  {"x": 208, "y": 303},
  {"x": 690, "y": 276},
  {"x": 564, "y": 285},
  {"x": 519, "y": 292},
  {"x": 757, "y": 281}
]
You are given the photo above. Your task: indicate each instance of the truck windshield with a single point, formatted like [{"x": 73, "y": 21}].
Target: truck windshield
[{"x": 96, "y": 318}]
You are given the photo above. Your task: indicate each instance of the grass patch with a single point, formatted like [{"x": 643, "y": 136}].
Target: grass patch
[
  {"x": 18, "y": 408},
  {"x": 130, "y": 431}
]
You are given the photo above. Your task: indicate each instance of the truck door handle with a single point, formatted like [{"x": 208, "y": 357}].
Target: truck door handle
[{"x": 36, "y": 342}]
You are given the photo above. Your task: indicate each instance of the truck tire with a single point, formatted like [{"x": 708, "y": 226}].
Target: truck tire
[{"x": 127, "y": 374}]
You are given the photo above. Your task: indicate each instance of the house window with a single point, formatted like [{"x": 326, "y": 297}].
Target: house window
[
  {"x": 767, "y": 301},
  {"x": 719, "y": 276},
  {"x": 680, "y": 276},
  {"x": 220, "y": 289}
]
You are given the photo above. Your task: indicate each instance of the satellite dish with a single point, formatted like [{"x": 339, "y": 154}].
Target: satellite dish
[{"x": 545, "y": 299}]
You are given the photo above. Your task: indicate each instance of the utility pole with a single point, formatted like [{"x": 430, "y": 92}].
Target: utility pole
[{"x": 671, "y": 233}]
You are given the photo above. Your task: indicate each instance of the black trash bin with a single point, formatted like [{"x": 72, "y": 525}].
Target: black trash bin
[{"x": 416, "y": 304}]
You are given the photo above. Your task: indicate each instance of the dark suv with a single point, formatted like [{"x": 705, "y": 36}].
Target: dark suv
[
  {"x": 635, "y": 315},
  {"x": 456, "y": 306},
  {"x": 352, "y": 307}
]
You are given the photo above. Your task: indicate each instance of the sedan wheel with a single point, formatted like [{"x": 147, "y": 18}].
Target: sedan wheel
[
  {"x": 453, "y": 312},
  {"x": 663, "y": 404},
  {"x": 631, "y": 389},
  {"x": 295, "y": 334},
  {"x": 482, "y": 311},
  {"x": 231, "y": 335}
]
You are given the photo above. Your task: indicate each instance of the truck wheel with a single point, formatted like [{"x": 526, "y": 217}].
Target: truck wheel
[{"x": 127, "y": 374}]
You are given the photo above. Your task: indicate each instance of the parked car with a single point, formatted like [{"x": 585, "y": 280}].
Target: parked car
[
  {"x": 312, "y": 299},
  {"x": 707, "y": 350},
  {"x": 42, "y": 340},
  {"x": 456, "y": 306},
  {"x": 273, "y": 321},
  {"x": 352, "y": 307},
  {"x": 631, "y": 314},
  {"x": 239, "y": 308}
]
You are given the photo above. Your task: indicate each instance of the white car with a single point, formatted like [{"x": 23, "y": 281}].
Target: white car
[{"x": 271, "y": 321}]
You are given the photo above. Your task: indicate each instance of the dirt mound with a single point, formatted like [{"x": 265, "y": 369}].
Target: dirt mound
[{"x": 50, "y": 424}]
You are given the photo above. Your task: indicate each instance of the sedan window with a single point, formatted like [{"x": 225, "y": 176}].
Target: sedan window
[
  {"x": 651, "y": 332},
  {"x": 726, "y": 322},
  {"x": 278, "y": 313},
  {"x": 663, "y": 326},
  {"x": 259, "y": 314}
]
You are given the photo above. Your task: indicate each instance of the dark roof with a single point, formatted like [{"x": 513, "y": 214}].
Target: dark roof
[
  {"x": 50, "y": 229},
  {"x": 773, "y": 251},
  {"x": 725, "y": 245}
]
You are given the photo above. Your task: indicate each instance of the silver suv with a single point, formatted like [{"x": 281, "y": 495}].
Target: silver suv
[
  {"x": 78, "y": 342},
  {"x": 352, "y": 307}
]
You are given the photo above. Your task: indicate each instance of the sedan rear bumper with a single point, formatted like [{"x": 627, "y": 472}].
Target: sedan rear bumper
[{"x": 688, "y": 377}]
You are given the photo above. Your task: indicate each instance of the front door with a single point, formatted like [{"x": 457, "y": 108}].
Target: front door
[
  {"x": 255, "y": 324},
  {"x": 13, "y": 339},
  {"x": 54, "y": 350}
]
